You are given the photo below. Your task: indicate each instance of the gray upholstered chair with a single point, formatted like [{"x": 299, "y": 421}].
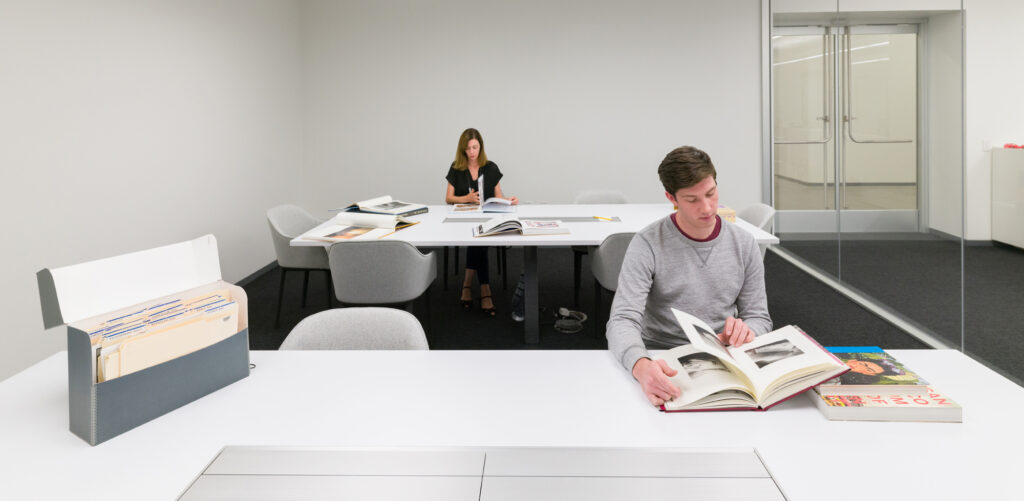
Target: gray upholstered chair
[
  {"x": 357, "y": 329},
  {"x": 381, "y": 272},
  {"x": 606, "y": 263},
  {"x": 287, "y": 222},
  {"x": 578, "y": 251},
  {"x": 760, "y": 215}
]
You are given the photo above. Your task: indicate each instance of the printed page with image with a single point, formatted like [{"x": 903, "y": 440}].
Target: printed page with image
[{"x": 757, "y": 375}]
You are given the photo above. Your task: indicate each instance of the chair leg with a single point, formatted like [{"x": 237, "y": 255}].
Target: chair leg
[
  {"x": 330, "y": 289},
  {"x": 598, "y": 309},
  {"x": 280, "y": 296},
  {"x": 455, "y": 262},
  {"x": 445, "y": 273},
  {"x": 577, "y": 262},
  {"x": 305, "y": 287},
  {"x": 504, "y": 268},
  {"x": 426, "y": 301}
]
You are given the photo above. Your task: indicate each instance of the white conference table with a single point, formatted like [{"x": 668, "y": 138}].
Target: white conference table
[
  {"x": 508, "y": 399},
  {"x": 439, "y": 228}
]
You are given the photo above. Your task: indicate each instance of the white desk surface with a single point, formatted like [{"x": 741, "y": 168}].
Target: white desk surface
[
  {"x": 434, "y": 232},
  {"x": 501, "y": 399}
]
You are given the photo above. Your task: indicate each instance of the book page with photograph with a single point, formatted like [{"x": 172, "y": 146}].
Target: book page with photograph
[
  {"x": 771, "y": 368},
  {"x": 348, "y": 226},
  {"x": 783, "y": 362},
  {"x": 706, "y": 381},
  {"x": 386, "y": 205}
]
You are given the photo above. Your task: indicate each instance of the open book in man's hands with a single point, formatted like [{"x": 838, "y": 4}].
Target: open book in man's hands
[
  {"x": 756, "y": 375},
  {"x": 510, "y": 224},
  {"x": 357, "y": 226}
]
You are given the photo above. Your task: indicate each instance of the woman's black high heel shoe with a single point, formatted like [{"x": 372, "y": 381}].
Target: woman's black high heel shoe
[
  {"x": 492, "y": 311},
  {"x": 466, "y": 303}
]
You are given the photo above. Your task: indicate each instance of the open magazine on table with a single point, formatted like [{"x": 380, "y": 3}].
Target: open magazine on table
[
  {"x": 757, "y": 375},
  {"x": 348, "y": 226},
  {"x": 493, "y": 204},
  {"x": 507, "y": 223}
]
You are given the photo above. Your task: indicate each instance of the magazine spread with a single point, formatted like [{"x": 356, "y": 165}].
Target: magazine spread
[
  {"x": 759, "y": 374},
  {"x": 386, "y": 205},
  {"x": 510, "y": 224},
  {"x": 358, "y": 226}
]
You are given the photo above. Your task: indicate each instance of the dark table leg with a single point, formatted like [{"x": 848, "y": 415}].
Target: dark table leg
[{"x": 532, "y": 323}]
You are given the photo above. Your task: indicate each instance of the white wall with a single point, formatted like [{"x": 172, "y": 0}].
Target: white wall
[
  {"x": 128, "y": 125},
  {"x": 994, "y": 107},
  {"x": 569, "y": 95}
]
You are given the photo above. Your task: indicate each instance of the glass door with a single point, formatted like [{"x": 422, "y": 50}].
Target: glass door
[
  {"x": 878, "y": 165},
  {"x": 844, "y": 103},
  {"x": 865, "y": 169}
]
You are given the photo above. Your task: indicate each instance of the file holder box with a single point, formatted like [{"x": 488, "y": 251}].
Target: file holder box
[{"x": 74, "y": 295}]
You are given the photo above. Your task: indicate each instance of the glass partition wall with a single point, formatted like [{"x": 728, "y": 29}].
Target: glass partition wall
[{"x": 866, "y": 160}]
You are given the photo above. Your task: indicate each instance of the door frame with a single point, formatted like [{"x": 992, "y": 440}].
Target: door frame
[{"x": 846, "y": 221}]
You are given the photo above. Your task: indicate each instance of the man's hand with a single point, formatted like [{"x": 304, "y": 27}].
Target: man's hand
[
  {"x": 653, "y": 378},
  {"x": 736, "y": 332}
]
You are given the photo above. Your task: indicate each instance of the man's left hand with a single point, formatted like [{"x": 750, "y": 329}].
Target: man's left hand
[{"x": 736, "y": 332}]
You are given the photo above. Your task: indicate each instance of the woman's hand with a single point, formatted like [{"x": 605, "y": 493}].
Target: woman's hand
[
  {"x": 514, "y": 200},
  {"x": 472, "y": 198}
]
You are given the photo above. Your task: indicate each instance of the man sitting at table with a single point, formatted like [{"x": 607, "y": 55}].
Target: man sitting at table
[{"x": 693, "y": 261}]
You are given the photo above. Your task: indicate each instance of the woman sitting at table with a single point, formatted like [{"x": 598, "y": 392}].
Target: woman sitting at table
[{"x": 471, "y": 163}]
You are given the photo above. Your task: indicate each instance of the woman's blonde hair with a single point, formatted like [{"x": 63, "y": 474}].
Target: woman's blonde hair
[{"x": 461, "y": 160}]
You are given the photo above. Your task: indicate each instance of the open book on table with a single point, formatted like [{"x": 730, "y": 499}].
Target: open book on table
[
  {"x": 508, "y": 223},
  {"x": 386, "y": 205},
  {"x": 358, "y": 226},
  {"x": 493, "y": 204},
  {"x": 757, "y": 375}
]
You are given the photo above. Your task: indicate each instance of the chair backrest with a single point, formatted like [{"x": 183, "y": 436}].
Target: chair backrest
[
  {"x": 287, "y": 222},
  {"x": 600, "y": 197},
  {"x": 357, "y": 329},
  {"x": 759, "y": 215},
  {"x": 380, "y": 272},
  {"x": 606, "y": 261}
]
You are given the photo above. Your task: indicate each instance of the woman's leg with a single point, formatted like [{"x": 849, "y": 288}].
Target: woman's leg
[
  {"x": 485, "y": 297},
  {"x": 467, "y": 284},
  {"x": 476, "y": 259}
]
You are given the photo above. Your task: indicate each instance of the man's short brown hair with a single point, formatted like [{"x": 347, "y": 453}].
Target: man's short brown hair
[{"x": 684, "y": 167}]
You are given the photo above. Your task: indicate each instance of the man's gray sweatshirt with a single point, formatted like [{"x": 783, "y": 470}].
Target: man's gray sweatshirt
[{"x": 665, "y": 269}]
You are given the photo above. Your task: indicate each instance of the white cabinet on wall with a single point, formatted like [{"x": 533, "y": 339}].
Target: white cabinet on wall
[{"x": 1008, "y": 196}]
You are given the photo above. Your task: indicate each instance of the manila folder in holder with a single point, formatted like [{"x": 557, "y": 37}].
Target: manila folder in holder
[{"x": 154, "y": 348}]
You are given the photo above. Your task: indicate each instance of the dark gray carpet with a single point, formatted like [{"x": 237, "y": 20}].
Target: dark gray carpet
[
  {"x": 921, "y": 279},
  {"x": 793, "y": 298}
]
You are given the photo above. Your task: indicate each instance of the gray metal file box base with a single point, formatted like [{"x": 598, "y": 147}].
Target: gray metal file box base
[{"x": 101, "y": 411}]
